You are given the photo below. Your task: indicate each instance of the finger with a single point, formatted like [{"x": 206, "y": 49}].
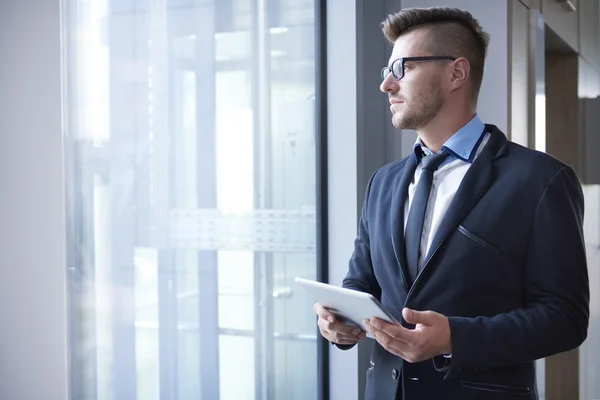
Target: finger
[
  {"x": 335, "y": 337},
  {"x": 323, "y": 312},
  {"x": 341, "y": 338},
  {"x": 347, "y": 341},
  {"x": 339, "y": 328},
  {"x": 387, "y": 342},
  {"x": 398, "y": 332},
  {"x": 377, "y": 333},
  {"x": 374, "y": 329},
  {"x": 418, "y": 317}
]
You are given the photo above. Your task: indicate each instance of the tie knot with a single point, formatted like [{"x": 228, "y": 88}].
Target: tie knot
[{"x": 433, "y": 161}]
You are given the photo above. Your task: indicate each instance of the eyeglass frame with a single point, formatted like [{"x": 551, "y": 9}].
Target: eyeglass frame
[{"x": 402, "y": 60}]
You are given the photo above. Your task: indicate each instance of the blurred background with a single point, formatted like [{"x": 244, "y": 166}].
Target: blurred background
[
  {"x": 190, "y": 155},
  {"x": 168, "y": 167}
]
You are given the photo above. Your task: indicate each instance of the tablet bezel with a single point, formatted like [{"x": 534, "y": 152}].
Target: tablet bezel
[{"x": 351, "y": 307}]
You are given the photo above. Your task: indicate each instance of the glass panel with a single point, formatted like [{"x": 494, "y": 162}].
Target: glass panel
[{"x": 191, "y": 198}]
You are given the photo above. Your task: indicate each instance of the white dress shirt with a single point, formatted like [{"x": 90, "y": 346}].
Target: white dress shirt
[{"x": 464, "y": 146}]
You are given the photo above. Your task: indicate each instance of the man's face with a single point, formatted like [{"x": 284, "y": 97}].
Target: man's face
[{"x": 417, "y": 97}]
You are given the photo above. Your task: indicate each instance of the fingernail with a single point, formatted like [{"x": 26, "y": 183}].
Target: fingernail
[
  {"x": 356, "y": 331},
  {"x": 330, "y": 318}
]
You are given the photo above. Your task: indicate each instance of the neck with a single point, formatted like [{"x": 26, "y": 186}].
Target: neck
[{"x": 445, "y": 124}]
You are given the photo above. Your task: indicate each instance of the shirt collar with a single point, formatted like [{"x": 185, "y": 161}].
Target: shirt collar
[{"x": 462, "y": 145}]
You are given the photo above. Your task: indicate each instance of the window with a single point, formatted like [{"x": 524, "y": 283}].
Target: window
[{"x": 191, "y": 183}]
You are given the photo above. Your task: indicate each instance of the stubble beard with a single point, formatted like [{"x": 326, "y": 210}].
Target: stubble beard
[{"x": 427, "y": 108}]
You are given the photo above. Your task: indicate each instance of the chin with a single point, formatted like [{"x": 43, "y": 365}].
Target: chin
[{"x": 399, "y": 122}]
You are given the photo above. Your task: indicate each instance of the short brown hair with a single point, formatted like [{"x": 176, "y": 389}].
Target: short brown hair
[{"x": 452, "y": 32}]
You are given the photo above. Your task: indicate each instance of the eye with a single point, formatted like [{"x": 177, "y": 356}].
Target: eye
[{"x": 397, "y": 68}]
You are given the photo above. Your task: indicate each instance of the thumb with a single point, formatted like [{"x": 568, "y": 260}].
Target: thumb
[{"x": 417, "y": 317}]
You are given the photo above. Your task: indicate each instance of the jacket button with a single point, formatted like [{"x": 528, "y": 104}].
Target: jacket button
[{"x": 394, "y": 373}]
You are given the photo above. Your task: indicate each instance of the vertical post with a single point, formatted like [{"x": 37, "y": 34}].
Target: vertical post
[
  {"x": 167, "y": 325},
  {"x": 208, "y": 299},
  {"x": 162, "y": 37},
  {"x": 121, "y": 206},
  {"x": 321, "y": 183},
  {"x": 536, "y": 103},
  {"x": 537, "y": 81},
  {"x": 263, "y": 261}
]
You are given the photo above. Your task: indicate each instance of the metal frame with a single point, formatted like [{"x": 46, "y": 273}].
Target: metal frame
[
  {"x": 263, "y": 261},
  {"x": 537, "y": 81},
  {"x": 321, "y": 183},
  {"x": 570, "y": 5}
]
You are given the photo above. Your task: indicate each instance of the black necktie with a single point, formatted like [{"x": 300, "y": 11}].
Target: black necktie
[{"x": 416, "y": 215}]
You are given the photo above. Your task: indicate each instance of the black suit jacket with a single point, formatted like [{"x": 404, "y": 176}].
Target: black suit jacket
[{"x": 507, "y": 267}]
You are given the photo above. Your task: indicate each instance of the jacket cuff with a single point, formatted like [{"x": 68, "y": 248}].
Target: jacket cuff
[
  {"x": 344, "y": 346},
  {"x": 442, "y": 364}
]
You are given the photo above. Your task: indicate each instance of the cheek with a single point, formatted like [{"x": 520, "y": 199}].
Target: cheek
[
  {"x": 420, "y": 97},
  {"x": 411, "y": 99},
  {"x": 411, "y": 91}
]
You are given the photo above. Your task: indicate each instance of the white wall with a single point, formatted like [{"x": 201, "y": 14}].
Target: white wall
[
  {"x": 33, "y": 335},
  {"x": 342, "y": 172}
]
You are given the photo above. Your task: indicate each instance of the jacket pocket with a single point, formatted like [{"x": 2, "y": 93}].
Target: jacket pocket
[
  {"x": 478, "y": 240},
  {"x": 498, "y": 389}
]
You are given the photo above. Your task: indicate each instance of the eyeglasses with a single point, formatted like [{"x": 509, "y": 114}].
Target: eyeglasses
[{"x": 397, "y": 66}]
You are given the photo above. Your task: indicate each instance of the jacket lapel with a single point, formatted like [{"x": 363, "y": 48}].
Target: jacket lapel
[
  {"x": 400, "y": 192},
  {"x": 474, "y": 184}
]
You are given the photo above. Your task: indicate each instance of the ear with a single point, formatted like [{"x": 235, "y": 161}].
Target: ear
[{"x": 460, "y": 72}]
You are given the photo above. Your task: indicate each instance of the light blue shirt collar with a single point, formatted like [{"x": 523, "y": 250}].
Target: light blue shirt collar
[{"x": 462, "y": 145}]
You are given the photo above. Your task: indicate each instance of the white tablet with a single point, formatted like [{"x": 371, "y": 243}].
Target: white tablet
[{"x": 350, "y": 306}]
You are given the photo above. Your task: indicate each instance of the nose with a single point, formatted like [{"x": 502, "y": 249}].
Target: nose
[{"x": 389, "y": 84}]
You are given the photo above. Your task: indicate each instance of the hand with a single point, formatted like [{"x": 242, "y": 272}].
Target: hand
[
  {"x": 430, "y": 338},
  {"x": 335, "y": 331}
]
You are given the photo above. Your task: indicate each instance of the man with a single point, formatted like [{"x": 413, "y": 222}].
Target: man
[{"x": 473, "y": 243}]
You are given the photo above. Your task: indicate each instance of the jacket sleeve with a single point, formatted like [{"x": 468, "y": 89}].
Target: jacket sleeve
[
  {"x": 360, "y": 274},
  {"x": 555, "y": 314}
]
